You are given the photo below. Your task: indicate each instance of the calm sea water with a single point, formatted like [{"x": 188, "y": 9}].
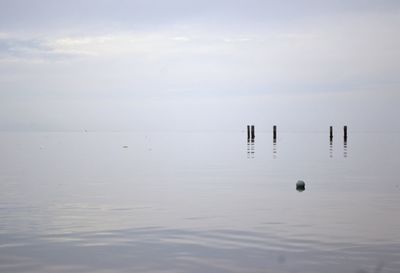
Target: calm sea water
[{"x": 199, "y": 202}]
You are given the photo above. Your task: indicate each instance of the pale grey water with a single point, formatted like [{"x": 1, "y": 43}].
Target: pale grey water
[{"x": 199, "y": 202}]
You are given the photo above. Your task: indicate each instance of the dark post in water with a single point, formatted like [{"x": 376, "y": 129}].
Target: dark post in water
[
  {"x": 252, "y": 132},
  {"x": 274, "y": 132},
  {"x": 248, "y": 131},
  {"x": 345, "y": 132},
  {"x": 331, "y": 133}
]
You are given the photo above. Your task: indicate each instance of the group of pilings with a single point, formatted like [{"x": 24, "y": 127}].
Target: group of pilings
[{"x": 251, "y": 132}]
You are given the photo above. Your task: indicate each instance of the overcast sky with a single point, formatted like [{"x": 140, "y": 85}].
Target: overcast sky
[{"x": 199, "y": 65}]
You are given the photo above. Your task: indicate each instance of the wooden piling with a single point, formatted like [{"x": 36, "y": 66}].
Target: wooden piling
[
  {"x": 274, "y": 132},
  {"x": 345, "y": 133},
  {"x": 252, "y": 132},
  {"x": 248, "y": 131},
  {"x": 331, "y": 133}
]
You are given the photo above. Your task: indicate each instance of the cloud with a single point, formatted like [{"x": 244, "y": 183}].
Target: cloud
[
  {"x": 338, "y": 53},
  {"x": 65, "y": 52}
]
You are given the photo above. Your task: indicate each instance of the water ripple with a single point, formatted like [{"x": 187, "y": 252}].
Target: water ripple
[{"x": 157, "y": 249}]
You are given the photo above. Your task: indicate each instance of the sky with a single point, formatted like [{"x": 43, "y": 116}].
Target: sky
[{"x": 119, "y": 65}]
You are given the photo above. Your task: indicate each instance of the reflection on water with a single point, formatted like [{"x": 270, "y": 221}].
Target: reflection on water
[
  {"x": 250, "y": 148},
  {"x": 345, "y": 148},
  {"x": 274, "y": 152},
  {"x": 83, "y": 203}
]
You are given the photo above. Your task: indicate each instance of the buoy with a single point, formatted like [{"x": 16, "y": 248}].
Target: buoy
[{"x": 300, "y": 185}]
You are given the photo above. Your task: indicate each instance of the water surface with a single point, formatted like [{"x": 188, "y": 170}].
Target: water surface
[{"x": 199, "y": 202}]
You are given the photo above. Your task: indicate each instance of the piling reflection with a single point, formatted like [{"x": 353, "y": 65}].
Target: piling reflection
[
  {"x": 330, "y": 148},
  {"x": 250, "y": 148},
  {"x": 274, "y": 151},
  {"x": 345, "y": 148}
]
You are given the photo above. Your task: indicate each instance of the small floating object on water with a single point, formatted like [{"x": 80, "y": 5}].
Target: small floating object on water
[
  {"x": 300, "y": 185},
  {"x": 125, "y": 146}
]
